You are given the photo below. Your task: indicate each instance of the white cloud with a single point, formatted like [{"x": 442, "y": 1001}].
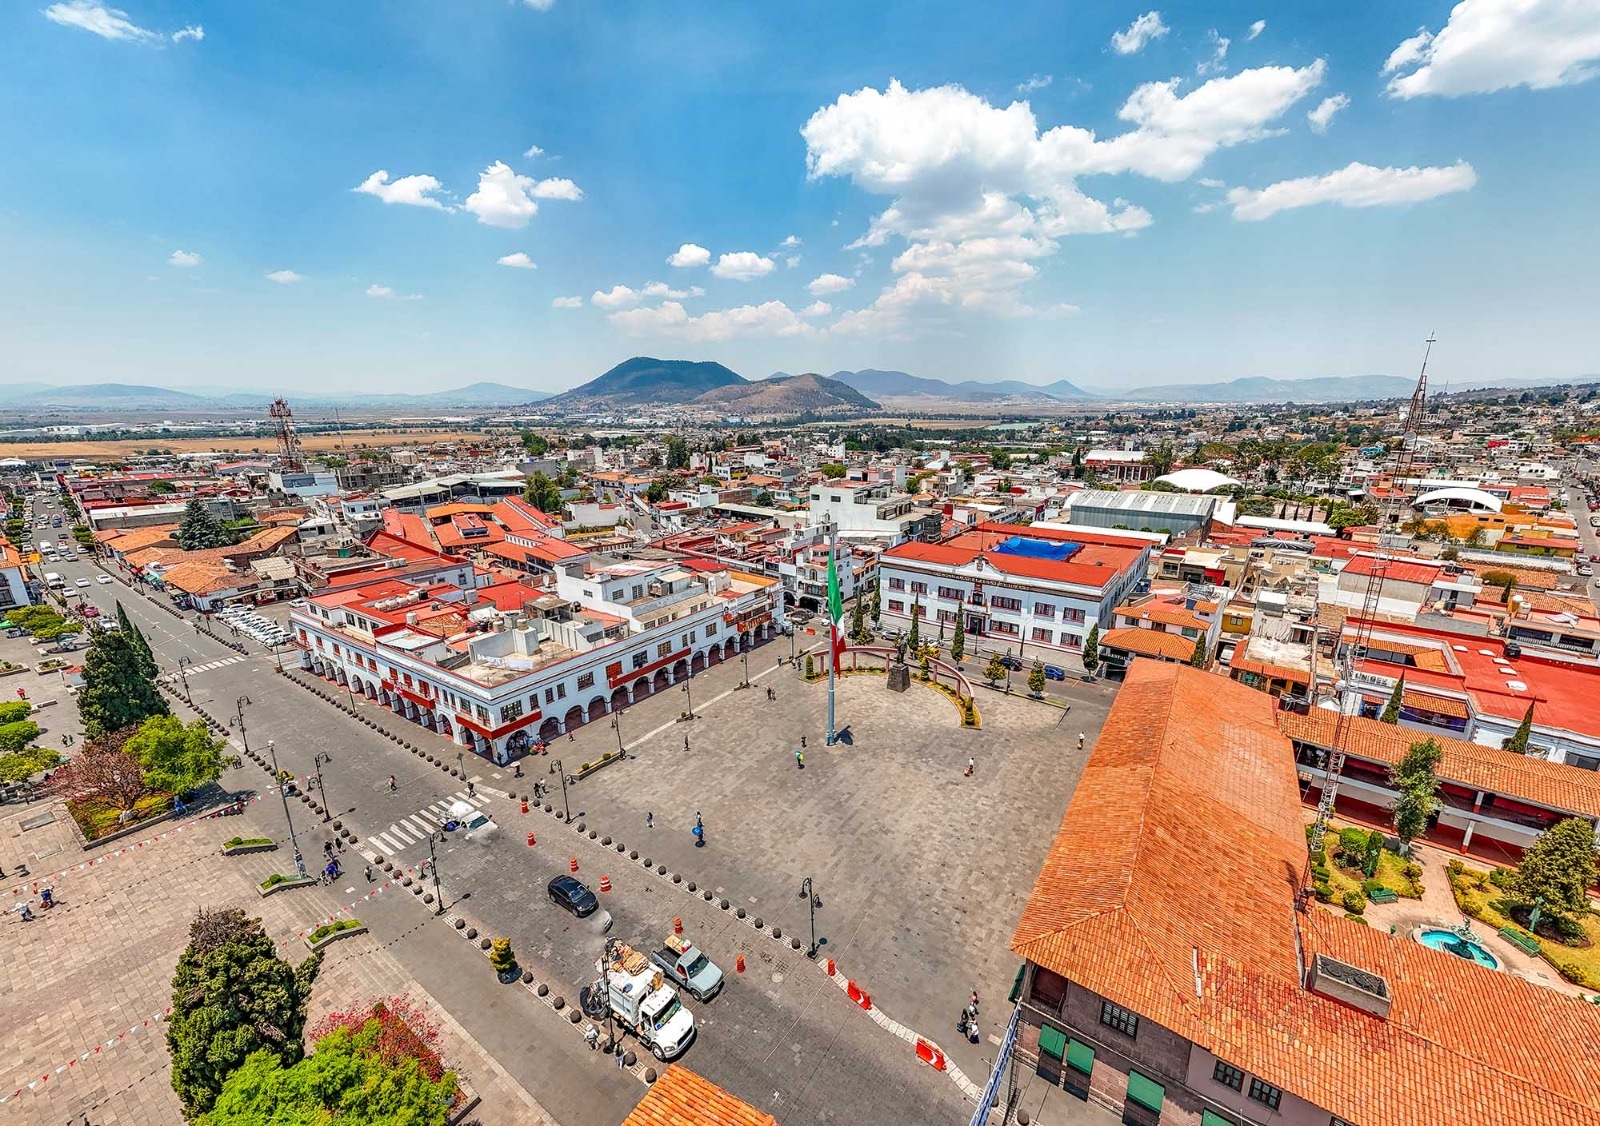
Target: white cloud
[
  {"x": 662, "y": 289},
  {"x": 540, "y": 5},
  {"x": 615, "y": 297},
  {"x": 790, "y": 243},
  {"x": 1256, "y": 29},
  {"x": 96, "y": 18},
  {"x": 285, "y": 277},
  {"x": 519, "y": 261},
  {"x": 184, "y": 258},
  {"x": 830, "y": 283},
  {"x": 792, "y": 261},
  {"x": 413, "y": 191},
  {"x": 383, "y": 291},
  {"x": 533, "y": 151},
  {"x": 1489, "y": 45},
  {"x": 743, "y": 265},
  {"x": 1219, "y": 54},
  {"x": 567, "y": 303},
  {"x": 193, "y": 31},
  {"x": 689, "y": 255},
  {"x": 773, "y": 318},
  {"x": 506, "y": 199},
  {"x": 1037, "y": 82},
  {"x": 1323, "y": 115},
  {"x": 816, "y": 309},
  {"x": 1139, "y": 33},
  {"x": 1355, "y": 185},
  {"x": 979, "y": 194}
]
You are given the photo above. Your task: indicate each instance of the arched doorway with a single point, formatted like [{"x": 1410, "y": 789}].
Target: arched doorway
[
  {"x": 680, "y": 670},
  {"x": 641, "y": 689},
  {"x": 517, "y": 742},
  {"x": 660, "y": 681},
  {"x": 549, "y": 729},
  {"x": 574, "y": 718},
  {"x": 698, "y": 664},
  {"x": 619, "y": 699},
  {"x": 597, "y": 708}
]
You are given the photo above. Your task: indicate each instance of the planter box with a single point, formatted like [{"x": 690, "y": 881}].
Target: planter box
[
  {"x": 245, "y": 847},
  {"x": 14, "y": 670},
  {"x": 589, "y": 768},
  {"x": 334, "y": 936},
  {"x": 285, "y": 885}
]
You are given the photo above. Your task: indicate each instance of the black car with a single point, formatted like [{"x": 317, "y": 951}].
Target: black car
[
  {"x": 572, "y": 895},
  {"x": 1012, "y": 663}
]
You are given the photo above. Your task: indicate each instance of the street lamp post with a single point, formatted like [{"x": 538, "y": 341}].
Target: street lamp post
[
  {"x": 744, "y": 656},
  {"x": 299, "y": 861},
  {"x": 277, "y": 651},
  {"x": 461, "y": 763},
  {"x": 690, "y": 713},
  {"x": 240, "y": 705},
  {"x": 317, "y": 761},
  {"x": 616, "y": 725},
  {"x": 433, "y": 868},
  {"x": 557, "y": 768},
  {"x": 813, "y": 902},
  {"x": 183, "y": 673}
]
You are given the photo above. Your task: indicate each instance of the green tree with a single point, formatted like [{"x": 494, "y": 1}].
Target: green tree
[
  {"x": 958, "y": 643},
  {"x": 141, "y": 647},
  {"x": 915, "y": 635},
  {"x": 657, "y": 492},
  {"x": 543, "y": 493},
  {"x": 764, "y": 499},
  {"x": 1036, "y": 678},
  {"x": 1391, "y": 710},
  {"x": 536, "y": 445},
  {"x": 996, "y": 672},
  {"x": 1199, "y": 658},
  {"x": 17, "y": 736},
  {"x": 178, "y": 757},
  {"x": 1558, "y": 869},
  {"x": 1160, "y": 459},
  {"x": 1091, "y": 650},
  {"x": 200, "y": 530},
  {"x": 232, "y": 996},
  {"x": 58, "y": 631},
  {"x": 999, "y": 460},
  {"x": 677, "y": 452},
  {"x": 117, "y": 692},
  {"x": 13, "y": 710},
  {"x": 833, "y": 470},
  {"x": 1505, "y": 580},
  {"x": 858, "y": 624},
  {"x": 1416, "y": 789},
  {"x": 1519, "y": 738},
  {"x": 877, "y": 604},
  {"x": 501, "y": 956}
]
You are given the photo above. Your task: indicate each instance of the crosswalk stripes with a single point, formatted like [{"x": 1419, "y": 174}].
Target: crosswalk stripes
[
  {"x": 217, "y": 664},
  {"x": 415, "y": 827}
]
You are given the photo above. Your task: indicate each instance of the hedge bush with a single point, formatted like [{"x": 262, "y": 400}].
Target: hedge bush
[{"x": 1355, "y": 902}]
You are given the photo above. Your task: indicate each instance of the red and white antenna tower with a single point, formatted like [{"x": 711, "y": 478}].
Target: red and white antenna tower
[{"x": 290, "y": 459}]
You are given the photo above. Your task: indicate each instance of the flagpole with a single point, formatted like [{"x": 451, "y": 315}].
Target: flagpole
[{"x": 833, "y": 630}]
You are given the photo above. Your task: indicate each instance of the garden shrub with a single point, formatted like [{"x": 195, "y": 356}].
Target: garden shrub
[
  {"x": 1355, "y": 902},
  {"x": 1455, "y": 868},
  {"x": 1502, "y": 878},
  {"x": 1323, "y": 892}
]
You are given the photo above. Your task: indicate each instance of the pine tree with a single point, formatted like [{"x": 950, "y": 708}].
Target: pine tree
[
  {"x": 877, "y": 605},
  {"x": 1036, "y": 678},
  {"x": 141, "y": 647},
  {"x": 1199, "y": 657},
  {"x": 858, "y": 625},
  {"x": 1417, "y": 787},
  {"x": 1391, "y": 710},
  {"x": 915, "y": 636},
  {"x": 958, "y": 644},
  {"x": 1519, "y": 738},
  {"x": 1091, "y": 650},
  {"x": 200, "y": 530},
  {"x": 117, "y": 692},
  {"x": 1558, "y": 869},
  {"x": 996, "y": 672}
]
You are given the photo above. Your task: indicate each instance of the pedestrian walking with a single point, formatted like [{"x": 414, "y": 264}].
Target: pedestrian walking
[
  {"x": 571, "y": 738},
  {"x": 1080, "y": 740},
  {"x": 391, "y": 783},
  {"x": 472, "y": 790},
  {"x": 698, "y": 822},
  {"x": 338, "y": 844},
  {"x": 974, "y": 1002},
  {"x": 972, "y": 765},
  {"x": 802, "y": 741},
  {"x": 366, "y": 870},
  {"x": 649, "y": 819},
  {"x": 327, "y": 850},
  {"x": 591, "y": 1036},
  {"x": 800, "y": 759},
  {"x": 686, "y": 743},
  {"x": 621, "y": 1062}
]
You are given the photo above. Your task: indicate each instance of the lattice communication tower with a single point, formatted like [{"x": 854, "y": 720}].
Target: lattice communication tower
[{"x": 290, "y": 458}]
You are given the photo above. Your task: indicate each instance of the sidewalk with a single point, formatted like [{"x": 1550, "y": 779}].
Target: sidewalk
[{"x": 84, "y": 986}]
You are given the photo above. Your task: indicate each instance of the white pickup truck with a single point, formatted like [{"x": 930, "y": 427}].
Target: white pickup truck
[{"x": 637, "y": 995}]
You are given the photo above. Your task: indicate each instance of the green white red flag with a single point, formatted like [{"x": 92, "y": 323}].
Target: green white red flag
[{"x": 835, "y": 611}]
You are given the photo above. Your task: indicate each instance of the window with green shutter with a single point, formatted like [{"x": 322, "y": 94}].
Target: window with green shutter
[
  {"x": 1211, "y": 1118},
  {"x": 1080, "y": 1057},
  {"x": 1146, "y": 1092},
  {"x": 1052, "y": 1041}
]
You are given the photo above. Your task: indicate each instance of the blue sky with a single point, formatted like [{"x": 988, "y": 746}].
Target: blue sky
[{"x": 1105, "y": 193}]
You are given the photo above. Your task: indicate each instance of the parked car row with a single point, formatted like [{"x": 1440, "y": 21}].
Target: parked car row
[{"x": 254, "y": 625}]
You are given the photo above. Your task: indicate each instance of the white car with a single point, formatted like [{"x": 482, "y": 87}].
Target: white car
[
  {"x": 103, "y": 579},
  {"x": 80, "y": 582}
]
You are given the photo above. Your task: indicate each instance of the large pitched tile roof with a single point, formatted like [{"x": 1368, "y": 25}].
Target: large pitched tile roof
[{"x": 682, "y": 1098}]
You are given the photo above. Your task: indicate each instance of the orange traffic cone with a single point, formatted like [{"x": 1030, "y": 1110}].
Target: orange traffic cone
[
  {"x": 574, "y": 863},
  {"x": 605, "y": 883},
  {"x": 738, "y": 964},
  {"x": 530, "y": 840},
  {"x": 524, "y": 805},
  {"x": 677, "y": 926}
]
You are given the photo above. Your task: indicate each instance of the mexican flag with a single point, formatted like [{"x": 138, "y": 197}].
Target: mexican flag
[{"x": 835, "y": 612}]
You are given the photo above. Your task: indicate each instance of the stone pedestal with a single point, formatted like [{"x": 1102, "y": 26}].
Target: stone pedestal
[{"x": 899, "y": 678}]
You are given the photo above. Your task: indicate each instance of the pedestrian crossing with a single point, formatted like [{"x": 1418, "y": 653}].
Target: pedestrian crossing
[
  {"x": 415, "y": 827},
  {"x": 191, "y": 670}
]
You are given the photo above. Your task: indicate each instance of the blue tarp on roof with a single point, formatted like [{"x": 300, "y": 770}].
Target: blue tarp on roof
[{"x": 1037, "y": 549}]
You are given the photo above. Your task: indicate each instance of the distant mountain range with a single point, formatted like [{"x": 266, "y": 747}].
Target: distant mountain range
[
  {"x": 900, "y": 385},
  {"x": 133, "y": 396},
  {"x": 645, "y": 381}
]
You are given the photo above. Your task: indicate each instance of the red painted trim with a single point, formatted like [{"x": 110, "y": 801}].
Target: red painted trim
[
  {"x": 495, "y": 732},
  {"x": 635, "y": 674}
]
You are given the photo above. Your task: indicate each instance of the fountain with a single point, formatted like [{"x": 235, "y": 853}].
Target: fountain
[{"x": 1461, "y": 941}]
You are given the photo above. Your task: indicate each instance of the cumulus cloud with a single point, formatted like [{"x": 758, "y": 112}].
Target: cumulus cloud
[
  {"x": 1323, "y": 115},
  {"x": 772, "y": 318},
  {"x": 689, "y": 255},
  {"x": 1355, "y": 185},
  {"x": 816, "y": 309},
  {"x": 533, "y": 151},
  {"x": 662, "y": 289},
  {"x": 517, "y": 261},
  {"x": 507, "y": 199},
  {"x": 97, "y": 19},
  {"x": 540, "y": 5},
  {"x": 830, "y": 283},
  {"x": 1256, "y": 29},
  {"x": 382, "y": 291},
  {"x": 743, "y": 265},
  {"x": 184, "y": 258},
  {"x": 790, "y": 243},
  {"x": 1138, "y": 34},
  {"x": 194, "y": 32},
  {"x": 567, "y": 303},
  {"x": 792, "y": 261},
  {"x": 1219, "y": 54},
  {"x": 285, "y": 277},
  {"x": 615, "y": 297},
  {"x": 413, "y": 191},
  {"x": 1489, "y": 45},
  {"x": 1037, "y": 82},
  {"x": 978, "y": 193}
]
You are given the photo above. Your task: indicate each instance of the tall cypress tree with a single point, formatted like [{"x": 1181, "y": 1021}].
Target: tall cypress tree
[
  {"x": 958, "y": 643},
  {"x": 117, "y": 692},
  {"x": 1391, "y": 710},
  {"x": 1519, "y": 738},
  {"x": 141, "y": 647}
]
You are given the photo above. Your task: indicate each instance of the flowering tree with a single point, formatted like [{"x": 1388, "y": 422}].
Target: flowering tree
[
  {"x": 405, "y": 1032},
  {"x": 103, "y": 770}
]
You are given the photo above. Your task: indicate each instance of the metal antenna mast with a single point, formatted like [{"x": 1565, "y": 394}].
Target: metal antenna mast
[
  {"x": 1389, "y": 516},
  {"x": 290, "y": 458}
]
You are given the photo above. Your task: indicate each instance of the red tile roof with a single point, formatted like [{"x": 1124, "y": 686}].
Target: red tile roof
[
  {"x": 1398, "y": 571},
  {"x": 1170, "y": 890},
  {"x": 682, "y": 1098},
  {"x": 1149, "y": 643},
  {"x": 1098, "y": 562}
]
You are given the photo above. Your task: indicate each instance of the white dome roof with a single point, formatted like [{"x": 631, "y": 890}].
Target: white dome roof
[
  {"x": 1197, "y": 480},
  {"x": 1471, "y": 496}
]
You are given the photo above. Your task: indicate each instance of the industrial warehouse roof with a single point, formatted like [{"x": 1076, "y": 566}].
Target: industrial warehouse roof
[
  {"x": 1139, "y": 500},
  {"x": 1197, "y": 480},
  {"x": 1471, "y": 496}
]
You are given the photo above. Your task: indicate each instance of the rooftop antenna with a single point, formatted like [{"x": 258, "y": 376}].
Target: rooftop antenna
[
  {"x": 290, "y": 459},
  {"x": 1404, "y": 455}
]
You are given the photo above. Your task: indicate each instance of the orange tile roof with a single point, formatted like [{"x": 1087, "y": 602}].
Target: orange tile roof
[
  {"x": 1527, "y": 777},
  {"x": 1170, "y": 890},
  {"x": 1167, "y": 614},
  {"x": 1267, "y": 669},
  {"x": 1149, "y": 643},
  {"x": 682, "y": 1098}
]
